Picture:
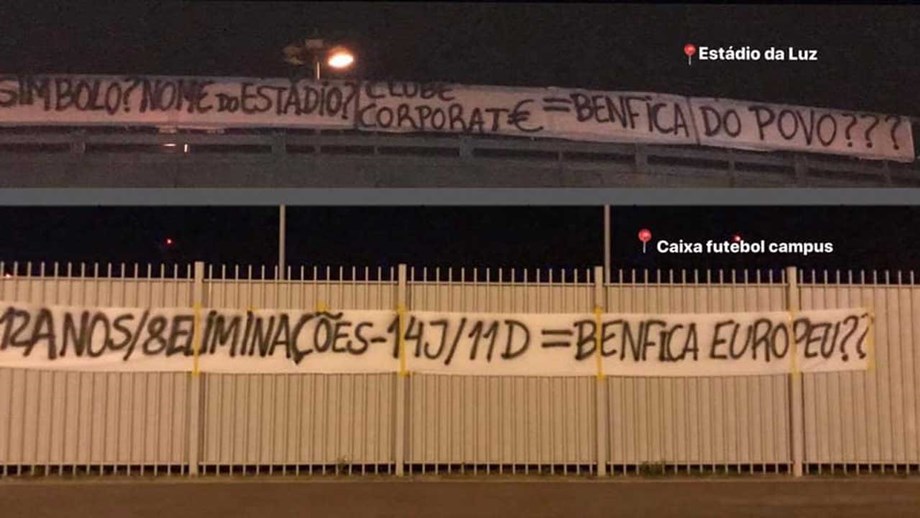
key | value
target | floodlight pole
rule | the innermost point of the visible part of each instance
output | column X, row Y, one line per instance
column 607, row 239
column 282, row 223
column 282, row 209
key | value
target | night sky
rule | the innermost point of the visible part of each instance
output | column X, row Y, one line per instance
column 867, row 54
column 532, row 237
column 868, row 61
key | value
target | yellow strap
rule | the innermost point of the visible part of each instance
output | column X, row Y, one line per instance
column 400, row 317
column 196, row 339
column 597, row 342
column 795, row 347
column 870, row 334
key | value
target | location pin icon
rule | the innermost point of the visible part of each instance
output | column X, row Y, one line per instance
column 689, row 50
column 645, row 235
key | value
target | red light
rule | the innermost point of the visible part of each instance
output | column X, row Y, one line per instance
column 169, row 241
column 736, row 238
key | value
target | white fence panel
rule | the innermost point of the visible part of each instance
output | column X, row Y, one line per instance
column 71, row 421
column 698, row 423
column 868, row 418
column 54, row 421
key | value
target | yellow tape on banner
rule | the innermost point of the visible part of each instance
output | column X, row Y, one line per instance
column 870, row 334
column 196, row 339
column 321, row 307
column 401, row 343
column 597, row 342
column 795, row 347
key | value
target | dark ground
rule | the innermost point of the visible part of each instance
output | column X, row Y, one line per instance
column 635, row 498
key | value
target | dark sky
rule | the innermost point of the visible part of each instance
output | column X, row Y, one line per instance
column 867, row 54
column 868, row 60
column 533, row 237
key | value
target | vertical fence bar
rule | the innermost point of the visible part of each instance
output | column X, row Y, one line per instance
column 194, row 416
column 600, row 305
column 796, row 403
column 401, row 378
column 607, row 243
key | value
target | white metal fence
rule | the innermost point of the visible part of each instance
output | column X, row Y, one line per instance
column 384, row 423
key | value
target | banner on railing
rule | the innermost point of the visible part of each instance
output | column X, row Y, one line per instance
column 574, row 114
column 373, row 341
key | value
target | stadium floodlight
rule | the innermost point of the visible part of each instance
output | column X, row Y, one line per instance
column 340, row 57
column 312, row 51
column 316, row 52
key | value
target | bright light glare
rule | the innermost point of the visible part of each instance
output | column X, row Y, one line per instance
column 340, row 57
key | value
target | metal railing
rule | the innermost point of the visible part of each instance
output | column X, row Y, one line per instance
column 623, row 163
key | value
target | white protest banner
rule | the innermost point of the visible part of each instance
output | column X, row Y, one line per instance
column 367, row 341
column 282, row 341
column 693, row 344
column 537, row 112
column 399, row 106
column 96, row 339
column 495, row 343
column 834, row 340
column 232, row 341
column 698, row 344
column 412, row 107
column 618, row 117
column 761, row 126
column 706, row 344
column 164, row 101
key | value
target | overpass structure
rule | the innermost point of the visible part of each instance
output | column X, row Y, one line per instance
column 133, row 157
